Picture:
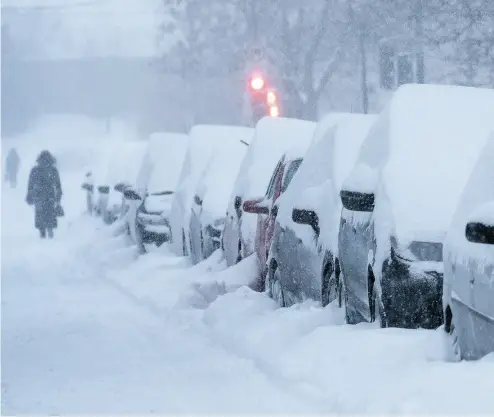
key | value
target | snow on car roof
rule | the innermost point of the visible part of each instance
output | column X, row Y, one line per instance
column 218, row 178
column 166, row 155
column 424, row 146
column 273, row 137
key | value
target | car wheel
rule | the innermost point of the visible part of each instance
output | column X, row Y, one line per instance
column 140, row 245
column 329, row 288
column 375, row 305
column 455, row 344
column 239, row 254
column 277, row 289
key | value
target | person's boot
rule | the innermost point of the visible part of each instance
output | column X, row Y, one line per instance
column 42, row 233
column 50, row 233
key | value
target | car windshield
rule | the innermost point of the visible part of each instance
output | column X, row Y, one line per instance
column 292, row 169
column 427, row 251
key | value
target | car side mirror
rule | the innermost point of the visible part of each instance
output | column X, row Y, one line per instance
column 357, row 201
column 477, row 232
column 256, row 206
column 274, row 211
column 104, row 189
column 87, row 187
column 120, row 187
column 198, row 200
column 238, row 202
column 158, row 193
column 480, row 226
column 309, row 217
column 131, row 194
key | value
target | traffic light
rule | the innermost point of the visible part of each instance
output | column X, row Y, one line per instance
column 274, row 111
column 271, row 98
column 257, row 82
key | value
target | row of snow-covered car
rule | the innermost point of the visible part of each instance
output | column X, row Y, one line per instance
column 389, row 215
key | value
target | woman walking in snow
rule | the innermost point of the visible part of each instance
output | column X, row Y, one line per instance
column 45, row 192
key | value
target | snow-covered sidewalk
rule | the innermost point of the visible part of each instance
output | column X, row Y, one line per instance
column 74, row 343
column 87, row 327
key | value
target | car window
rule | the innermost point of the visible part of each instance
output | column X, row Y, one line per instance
column 292, row 169
column 272, row 182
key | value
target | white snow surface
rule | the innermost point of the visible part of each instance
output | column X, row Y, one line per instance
column 90, row 327
column 317, row 183
column 424, row 146
column 162, row 163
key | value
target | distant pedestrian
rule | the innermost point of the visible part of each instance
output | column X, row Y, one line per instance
column 45, row 193
column 12, row 167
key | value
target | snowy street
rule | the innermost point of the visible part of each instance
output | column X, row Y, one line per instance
column 88, row 327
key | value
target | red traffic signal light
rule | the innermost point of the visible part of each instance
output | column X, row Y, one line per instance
column 257, row 82
column 274, row 111
column 271, row 98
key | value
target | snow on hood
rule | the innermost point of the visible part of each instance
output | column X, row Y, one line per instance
column 475, row 204
column 423, row 147
column 216, row 184
column 317, row 183
column 164, row 159
column 273, row 137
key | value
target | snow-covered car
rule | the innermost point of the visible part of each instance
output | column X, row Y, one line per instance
column 204, row 141
column 114, row 175
column 151, row 198
column 272, row 136
column 210, row 200
column 303, row 260
column 468, row 295
column 399, row 201
column 295, row 137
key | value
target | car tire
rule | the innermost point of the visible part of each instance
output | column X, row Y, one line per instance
column 276, row 288
column 375, row 305
column 455, row 344
column 140, row 245
column 239, row 253
column 331, row 287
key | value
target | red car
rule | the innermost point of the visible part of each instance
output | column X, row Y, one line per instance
column 267, row 209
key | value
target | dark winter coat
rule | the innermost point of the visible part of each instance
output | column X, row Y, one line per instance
column 45, row 192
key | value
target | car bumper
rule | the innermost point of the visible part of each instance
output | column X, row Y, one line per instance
column 411, row 299
column 475, row 330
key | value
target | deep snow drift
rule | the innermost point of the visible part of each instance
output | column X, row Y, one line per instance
column 88, row 327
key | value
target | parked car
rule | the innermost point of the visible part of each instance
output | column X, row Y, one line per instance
column 399, row 200
column 272, row 136
column 296, row 136
column 303, row 260
column 117, row 174
column 208, row 210
column 204, row 141
column 151, row 197
column 468, row 296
